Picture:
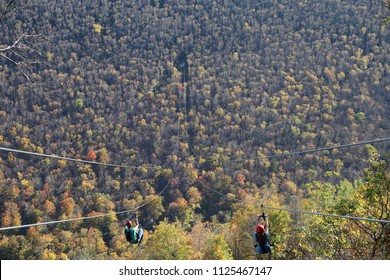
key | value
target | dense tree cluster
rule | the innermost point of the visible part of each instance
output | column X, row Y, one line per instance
column 192, row 96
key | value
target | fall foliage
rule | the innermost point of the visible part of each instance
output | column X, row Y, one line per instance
column 194, row 99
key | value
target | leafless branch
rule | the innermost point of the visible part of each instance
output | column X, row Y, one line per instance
column 18, row 45
column 7, row 8
column 14, row 45
column 18, row 64
column 18, row 54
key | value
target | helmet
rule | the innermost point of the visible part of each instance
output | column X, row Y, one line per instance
column 128, row 224
column 260, row 229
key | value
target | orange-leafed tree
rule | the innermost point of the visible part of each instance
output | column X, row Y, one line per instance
column 67, row 205
column 11, row 215
column 91, row 155
column 49, row 208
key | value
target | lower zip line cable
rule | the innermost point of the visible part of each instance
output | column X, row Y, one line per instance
column 173, row 171
column 313, row 150
column 177, row 145
column 95, row 216
column 328, row 215
column 331, row 147
column 302, row 211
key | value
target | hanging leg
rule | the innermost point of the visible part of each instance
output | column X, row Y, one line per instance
column 140, row 235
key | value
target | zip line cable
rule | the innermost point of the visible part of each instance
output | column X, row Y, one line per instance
column 303, row 211
column 174, row 169
column 114, row 213
column 328, row 215
column 300, row 153
column 88, row 161
column 137, row 167
column 330, row 148
column 177, row 145
column 315, row 150
column 74, row 159
column 175, row 166
column 101, row 215
column 95, row 216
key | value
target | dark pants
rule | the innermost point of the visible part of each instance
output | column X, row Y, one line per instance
column 263, row 248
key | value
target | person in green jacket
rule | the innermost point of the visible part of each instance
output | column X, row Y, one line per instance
column 134, row 233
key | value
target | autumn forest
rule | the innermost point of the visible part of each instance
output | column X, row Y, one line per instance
column 188, row 114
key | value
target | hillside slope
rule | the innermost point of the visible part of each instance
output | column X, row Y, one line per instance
column 192, row 95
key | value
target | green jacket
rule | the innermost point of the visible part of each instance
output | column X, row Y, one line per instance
column 131, row 235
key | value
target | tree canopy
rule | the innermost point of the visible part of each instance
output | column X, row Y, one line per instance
column 189, row 101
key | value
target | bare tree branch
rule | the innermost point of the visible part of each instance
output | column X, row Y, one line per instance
column 21, row 44
column 18, row 64
column 19, row 53
column 6, row 9
column 14, row 45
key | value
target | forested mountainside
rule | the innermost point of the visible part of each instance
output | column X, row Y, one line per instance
column 194, row 99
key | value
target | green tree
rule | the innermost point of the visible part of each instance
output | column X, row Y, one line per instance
column 79, row 103
column 13, row 247
column 87, row 244
column 218, row 249
column 169, row 242
column 333, row 238
column 372, row 199
column 153, row 209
